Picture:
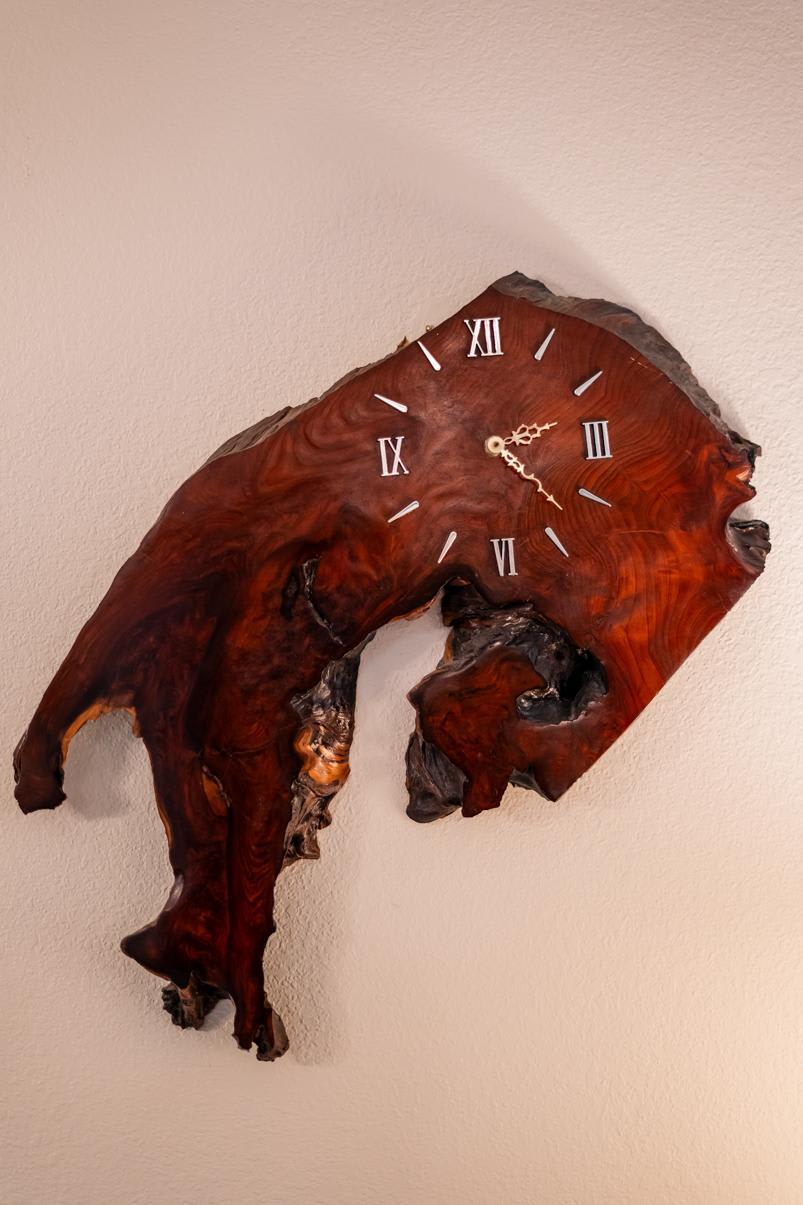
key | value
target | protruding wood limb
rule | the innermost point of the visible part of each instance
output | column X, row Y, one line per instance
column 506, row 673
column 186, row 941
column 323, row 744
column 190, row 1006
column 257, row 785
column 270, row 1037
column 751, row 538
column 435, row 785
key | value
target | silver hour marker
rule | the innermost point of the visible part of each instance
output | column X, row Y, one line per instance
column 539, row 355
column 450, row 539
column 592, row 497
column 549, row 532
column 390, row 402
column 486, row 339
column 429, row 356
column 505, row 557
column 580, row 390
column 391, row 447
column 598, row 445
column 406, row 510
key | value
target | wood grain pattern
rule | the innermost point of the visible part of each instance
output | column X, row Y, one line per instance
column 233, row 634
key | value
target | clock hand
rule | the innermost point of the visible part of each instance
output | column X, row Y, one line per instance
column 526, row 434
column 495, row 445
column 519, row 468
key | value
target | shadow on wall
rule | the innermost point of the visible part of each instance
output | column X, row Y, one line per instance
column 487, row 217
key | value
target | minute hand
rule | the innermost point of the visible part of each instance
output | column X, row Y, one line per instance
column 519, row 468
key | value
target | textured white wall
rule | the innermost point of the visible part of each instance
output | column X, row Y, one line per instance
column 211, row 209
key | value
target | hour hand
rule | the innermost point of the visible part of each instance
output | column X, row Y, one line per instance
column 526, row 434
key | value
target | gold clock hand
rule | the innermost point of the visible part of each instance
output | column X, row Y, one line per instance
column 495, row 445
column 526, row 434
column 519, row 468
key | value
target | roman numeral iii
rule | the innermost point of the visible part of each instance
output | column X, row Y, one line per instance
column 598, row 445
column 390, row 455
column 486, row 339
column 505, row 556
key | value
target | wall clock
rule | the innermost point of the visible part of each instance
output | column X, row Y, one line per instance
column 549, row 464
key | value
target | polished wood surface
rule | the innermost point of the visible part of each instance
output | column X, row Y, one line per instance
column 233, row 634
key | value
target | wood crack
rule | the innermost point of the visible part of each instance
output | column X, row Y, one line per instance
column 308, row 572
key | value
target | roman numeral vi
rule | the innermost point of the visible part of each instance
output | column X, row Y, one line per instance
column 505, row 557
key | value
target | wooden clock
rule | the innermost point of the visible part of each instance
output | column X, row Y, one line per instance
column 549, row 464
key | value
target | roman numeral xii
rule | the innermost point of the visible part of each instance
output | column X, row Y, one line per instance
column 486, row 338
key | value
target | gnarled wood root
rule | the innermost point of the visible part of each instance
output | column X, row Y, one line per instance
column 506, row 674
column 190, row 1006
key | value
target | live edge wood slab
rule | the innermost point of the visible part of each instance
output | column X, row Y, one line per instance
column 573, row 485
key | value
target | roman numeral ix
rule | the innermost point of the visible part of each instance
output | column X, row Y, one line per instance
column 486, row 339
column 390, row 455
column 505, row 557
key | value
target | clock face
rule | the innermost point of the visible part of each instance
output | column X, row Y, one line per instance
column 533, row 452
column 537, row 455
column 583, row 440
